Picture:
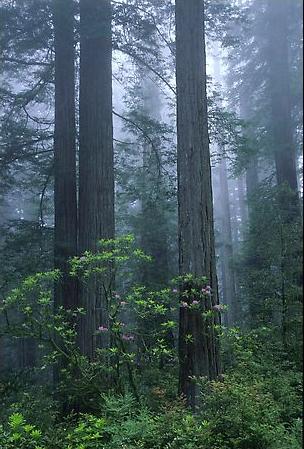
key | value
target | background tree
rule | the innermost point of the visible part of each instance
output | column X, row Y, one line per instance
column 280, row 100
column 65, row 190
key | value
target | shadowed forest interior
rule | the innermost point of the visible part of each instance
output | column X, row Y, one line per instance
column 151, row 184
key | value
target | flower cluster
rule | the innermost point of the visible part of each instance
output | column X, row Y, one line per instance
column 193, row 304
column 127, row 337
column 207, row 290
column 219, row 307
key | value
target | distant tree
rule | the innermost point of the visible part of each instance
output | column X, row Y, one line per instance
column 279, row 84
column 154, row 239
column 266, row 81
column 226, row 253
column 226, row 247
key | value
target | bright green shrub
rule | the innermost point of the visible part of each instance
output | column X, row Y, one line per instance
column 87, row 434
column 20, row 435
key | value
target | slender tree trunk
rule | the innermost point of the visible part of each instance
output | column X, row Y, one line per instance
column 228, row 275
column 252, row 179
column 279, row 85
column 199, row 355
column 242, row 203
column 251, row 176
column 65, row 196
column 65, row 188
column 234, row 214
column 96, row 165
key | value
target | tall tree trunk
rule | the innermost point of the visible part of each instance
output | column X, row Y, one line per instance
column 242, row 203
column 228, row 275
column 65, row 195
column 278, row 14
column 234, row 215
column 251, row 175
column 199, row 355
column 279, row 85
column 252, row 179
column 96, row 161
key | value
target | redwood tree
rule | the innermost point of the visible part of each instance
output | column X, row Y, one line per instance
column 96, row 172
column 279, row 84
column 65, row 194
column 199, row 355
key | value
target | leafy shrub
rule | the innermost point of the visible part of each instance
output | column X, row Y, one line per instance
column 88, row 433
column 257, row 403
column 242, row 416
column 37, row 405
column 20, row 435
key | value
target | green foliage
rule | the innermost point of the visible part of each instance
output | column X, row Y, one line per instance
column 29, row 312
column 269, row 266
column 257, row 403
column 88, row 433
column 254, row 405
column 20, row 435
column 137, row 316
column 35, row 401
column 242, row 415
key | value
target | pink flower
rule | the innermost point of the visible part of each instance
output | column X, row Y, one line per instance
column 219, row 307
column 116, row 295
column 195, row 303
column 123, row 303
column 184, row 305
column 175, row 290
column 127, row 337
column 103, row 329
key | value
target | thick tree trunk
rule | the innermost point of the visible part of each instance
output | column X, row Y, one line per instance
column 279, row 85
column 96, row 165
column 199, row 356
column 65, row 195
